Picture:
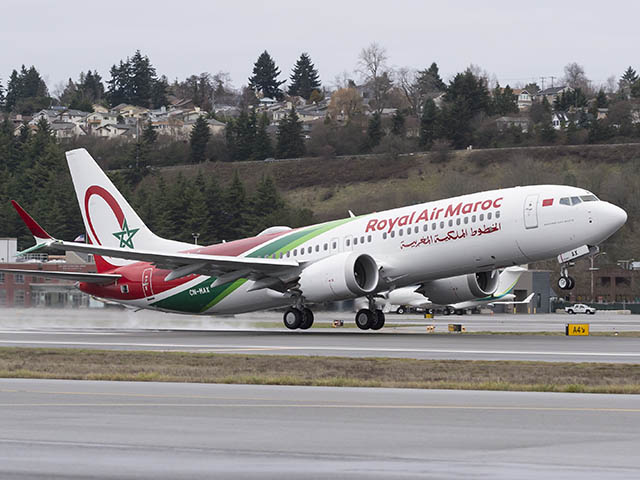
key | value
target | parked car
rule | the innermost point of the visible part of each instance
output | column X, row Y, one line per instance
column 580, row 308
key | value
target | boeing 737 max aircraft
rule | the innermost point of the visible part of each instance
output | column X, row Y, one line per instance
column 469, row 237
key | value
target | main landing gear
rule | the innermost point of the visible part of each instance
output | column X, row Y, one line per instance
column 295, row 317
column 370, row 318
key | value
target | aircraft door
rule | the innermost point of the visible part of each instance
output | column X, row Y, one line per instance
column 531, row 211
column 147, row 287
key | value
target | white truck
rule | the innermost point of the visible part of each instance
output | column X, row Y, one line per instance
column 580, row 308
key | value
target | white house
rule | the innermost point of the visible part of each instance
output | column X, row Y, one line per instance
column 96, row 120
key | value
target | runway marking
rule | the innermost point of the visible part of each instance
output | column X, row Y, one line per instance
column 327, row 406
column 321, row 348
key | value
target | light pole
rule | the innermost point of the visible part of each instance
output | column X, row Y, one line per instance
column 593, row 269
column 195, row 237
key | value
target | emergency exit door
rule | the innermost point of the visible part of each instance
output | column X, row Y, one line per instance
column 531, row 211
column 147, row 288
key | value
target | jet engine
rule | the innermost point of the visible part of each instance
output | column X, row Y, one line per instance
column 338, row 277
column 447, row 291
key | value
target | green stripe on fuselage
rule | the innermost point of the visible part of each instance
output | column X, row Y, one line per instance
column 201, row 297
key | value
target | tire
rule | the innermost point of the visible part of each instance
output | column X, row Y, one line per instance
column 378, row 320
column 446, row 311
column 400, row 310
column 563, row 283
column 364, row 319
column 572, row 283
column 292, row 318
column 307, row 319
column 591, row 312
column 571, row 312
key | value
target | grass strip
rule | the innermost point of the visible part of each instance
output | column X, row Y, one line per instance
column 318, row 371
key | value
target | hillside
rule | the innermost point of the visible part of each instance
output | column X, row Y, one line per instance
column 331, row 187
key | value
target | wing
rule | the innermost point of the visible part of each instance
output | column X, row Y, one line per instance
column 98, row 278
column 181, row 264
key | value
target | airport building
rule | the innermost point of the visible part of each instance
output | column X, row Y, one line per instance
column 32, row 290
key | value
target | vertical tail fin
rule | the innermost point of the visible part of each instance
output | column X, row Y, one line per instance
column 108, row 218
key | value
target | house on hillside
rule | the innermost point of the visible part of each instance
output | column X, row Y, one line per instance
column 559, row 120
column 524, row 99
column 116, row 131
column 96, row 120
column 130, row 111
column 65, row 130
column 552, row 93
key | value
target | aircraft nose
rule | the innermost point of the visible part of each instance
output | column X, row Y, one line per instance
column 614, row 217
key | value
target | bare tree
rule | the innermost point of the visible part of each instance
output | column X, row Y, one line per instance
column 372, row 65
column 575, row 77
column 407, row 79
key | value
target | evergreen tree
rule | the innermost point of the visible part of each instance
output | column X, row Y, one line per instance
column 198, row 140
column 265, row 77
column 2, row 98
column 304, row 78
column 397, row 123
column 428, row 123
column 26, row 92
column 235, row 213
column 149, row 134
column 429, row 80
column 601, row 100
column 268, row 205
column 374, row 132
column 290, row 140
column 135, row 81
column 241, row 135
column 213, row 198
column 504, row 101
column 262, row 147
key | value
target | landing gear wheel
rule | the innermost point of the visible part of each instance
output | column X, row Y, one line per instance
column 566, row 283
column 307, row 319
column 292, row 318
column 446, row 311
column 400, row 310
column 378, row 320
column 364, row 319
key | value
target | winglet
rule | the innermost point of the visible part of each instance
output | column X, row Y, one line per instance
column 36, row 230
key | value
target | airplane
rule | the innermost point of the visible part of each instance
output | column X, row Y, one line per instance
column 469, row 237
column 412, row 296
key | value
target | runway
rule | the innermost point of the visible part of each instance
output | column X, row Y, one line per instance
column 352, row 343
column 66, row 429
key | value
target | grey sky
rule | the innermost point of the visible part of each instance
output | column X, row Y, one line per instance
column 516, row 41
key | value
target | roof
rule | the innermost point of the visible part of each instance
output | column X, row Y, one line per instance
column 552, row 90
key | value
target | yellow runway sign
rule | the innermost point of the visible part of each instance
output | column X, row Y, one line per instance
column 577, row 329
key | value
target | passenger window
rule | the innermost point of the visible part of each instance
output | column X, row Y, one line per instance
column 335, row 245
column 565, row 201
column 457, row 221
column 575, row 200
column 280, row 255
column 441, row 224
column 288, row 254
column 295, row 252
column 393, row 234
column 416, row 229
column 317, row 248
column 362, row 239
column 409, row 231
column 400, row 232
column 348, row 242
column 384, row 235
column 473, row 219
column 489, row 216
column 355, row 241
column 369, row 238
column 451, row 223
column 433, row 226
column 498, row 214
column 482, row 217
column 425, row 227
column 326, row 247
column 466, row 220
column 309, row 249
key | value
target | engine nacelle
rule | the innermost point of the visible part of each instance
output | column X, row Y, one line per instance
column 447, row 291
column 339, row 277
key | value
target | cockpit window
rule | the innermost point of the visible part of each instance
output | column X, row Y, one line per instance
column 575, row 200
column 589, row 198
column 565, row 201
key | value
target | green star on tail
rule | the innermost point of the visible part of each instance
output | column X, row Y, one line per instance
column 126, row 235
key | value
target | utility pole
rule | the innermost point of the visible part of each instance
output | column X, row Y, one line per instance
column 552, row 79
column 542, row 79
column 593, row 269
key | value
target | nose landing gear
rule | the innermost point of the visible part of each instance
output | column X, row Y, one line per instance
column 565, row 282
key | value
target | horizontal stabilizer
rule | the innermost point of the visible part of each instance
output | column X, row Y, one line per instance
column 98, row 278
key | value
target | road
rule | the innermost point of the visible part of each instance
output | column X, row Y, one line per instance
column 57, row 429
